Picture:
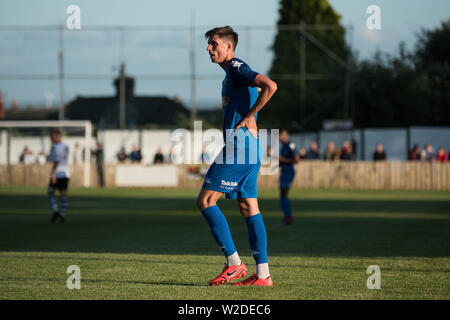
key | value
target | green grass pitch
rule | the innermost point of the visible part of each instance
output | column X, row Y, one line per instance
column 154, row 244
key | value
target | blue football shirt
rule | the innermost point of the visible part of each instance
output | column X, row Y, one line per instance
column 288, row 150
column 238, row 97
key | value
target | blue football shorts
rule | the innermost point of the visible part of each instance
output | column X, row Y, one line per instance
column 236, row 180
column 286, row 178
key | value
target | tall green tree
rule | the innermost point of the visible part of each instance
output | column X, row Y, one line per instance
column 385, row 91
column 324, row 98
column 409, row 88
column 432, row 61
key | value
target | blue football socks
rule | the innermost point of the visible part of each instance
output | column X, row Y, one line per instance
column 286, row 206
column 257, row 236
column 220, row 229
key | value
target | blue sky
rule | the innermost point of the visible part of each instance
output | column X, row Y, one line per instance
column 156, row 52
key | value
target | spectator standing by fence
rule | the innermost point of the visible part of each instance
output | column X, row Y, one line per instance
column 159, row 157
column 330, row 152
column 26, row 157
column 302, row 153
column 346, row 151
column 135, row 155
column 122, row 155
column 313, row 152
column 441, row 155
column 29, row 158
column 379, row 154
column 414, row 153
column 427, row 154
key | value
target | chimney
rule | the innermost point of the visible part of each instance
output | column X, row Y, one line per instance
column 129, row 84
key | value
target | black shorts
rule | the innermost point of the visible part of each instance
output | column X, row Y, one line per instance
column 61, row 184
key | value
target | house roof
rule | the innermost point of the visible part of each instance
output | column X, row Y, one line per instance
column 32, row 114
column 140, row 111
column 158, row 111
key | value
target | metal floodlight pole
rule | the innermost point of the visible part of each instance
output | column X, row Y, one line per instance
column 122, row 86
column 349, row 92
column 122, row 102
column 193, row 74
column 348, row 80
column 302, row 74
column 61, row 72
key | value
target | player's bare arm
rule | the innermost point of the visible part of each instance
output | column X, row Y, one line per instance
column 53, row 172
column 268, row 88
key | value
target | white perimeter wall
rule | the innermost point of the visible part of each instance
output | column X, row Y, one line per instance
column 394, row 141
column 150, row 140
column 36, row 145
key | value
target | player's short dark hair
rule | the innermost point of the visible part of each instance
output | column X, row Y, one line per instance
column 224, row 32
column 56, row 132
column 283, row 130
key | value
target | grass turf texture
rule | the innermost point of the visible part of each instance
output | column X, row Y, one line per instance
column 154, row 244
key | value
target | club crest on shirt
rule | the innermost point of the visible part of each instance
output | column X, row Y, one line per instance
column 237, row 64
column 292, row 146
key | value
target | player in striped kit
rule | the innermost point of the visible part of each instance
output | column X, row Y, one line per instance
column 59, row 177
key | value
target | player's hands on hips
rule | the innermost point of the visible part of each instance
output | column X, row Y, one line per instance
column 250, row 124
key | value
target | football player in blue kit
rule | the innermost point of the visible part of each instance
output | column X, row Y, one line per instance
column 234, row 172
column 288, row 157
